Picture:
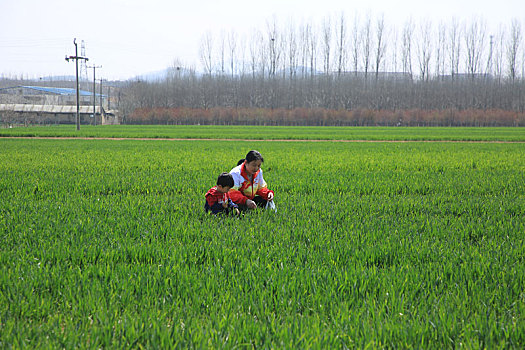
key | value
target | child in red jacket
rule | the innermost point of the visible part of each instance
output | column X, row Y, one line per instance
column 217, row 198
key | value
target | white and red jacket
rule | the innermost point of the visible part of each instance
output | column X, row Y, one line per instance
column 244, row 188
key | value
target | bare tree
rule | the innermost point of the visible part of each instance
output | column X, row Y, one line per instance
column 440, row 50
column 424, row 49
column 513, row 47
column 243, row 59
column 312, row 51
column 497, row 53
column 206, row 53
column 273, row 43
column 258, row 61
column 341, row 45
column 366, row 35
column 255, row 51
column 327, row 41
column 282, row 49
column 474, row 44
column 222, row 53
column 8, row 118
column 303, row 48
column 406, row 53
column 292, row 51
column 232, row 46
column 264, row 56
column 175, row 91
column 394, row 52
column 490, row 66
column 355, row 44
column 380, row 44
column 454, row 47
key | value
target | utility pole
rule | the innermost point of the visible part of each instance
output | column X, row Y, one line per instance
column 101, row 101
column 109, row 98
column 76, row 58
column 94, row 94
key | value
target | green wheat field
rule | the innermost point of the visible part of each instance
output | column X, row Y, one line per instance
column 105, row 244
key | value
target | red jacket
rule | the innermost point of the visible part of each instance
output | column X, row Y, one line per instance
column 215, row 199
column 244, row 188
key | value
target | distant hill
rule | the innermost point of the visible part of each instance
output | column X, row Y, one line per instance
column 164, row 73
column 152, row 76
column 58, row 78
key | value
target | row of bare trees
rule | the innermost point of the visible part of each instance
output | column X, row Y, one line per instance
column 349, row 64
column 324, row 92
column 421, row 49
column 346, row 92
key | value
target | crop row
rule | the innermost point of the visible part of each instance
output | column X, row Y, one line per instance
column 274, row 132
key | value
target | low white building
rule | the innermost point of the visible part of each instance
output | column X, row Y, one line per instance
column 50, row 105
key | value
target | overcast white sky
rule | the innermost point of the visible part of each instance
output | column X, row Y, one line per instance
column 132, row 37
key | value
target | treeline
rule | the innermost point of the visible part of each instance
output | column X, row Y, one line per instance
column 344, row 71
column 326, row 100
column 330, row 92
column 324, row 117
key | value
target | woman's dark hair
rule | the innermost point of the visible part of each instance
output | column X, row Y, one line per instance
column 225, row 180
column 254, row 155
column 250, row 157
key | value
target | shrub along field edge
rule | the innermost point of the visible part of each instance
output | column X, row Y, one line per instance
column 326, row 117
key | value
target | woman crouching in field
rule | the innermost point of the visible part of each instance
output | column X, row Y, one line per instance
column 249, row 189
